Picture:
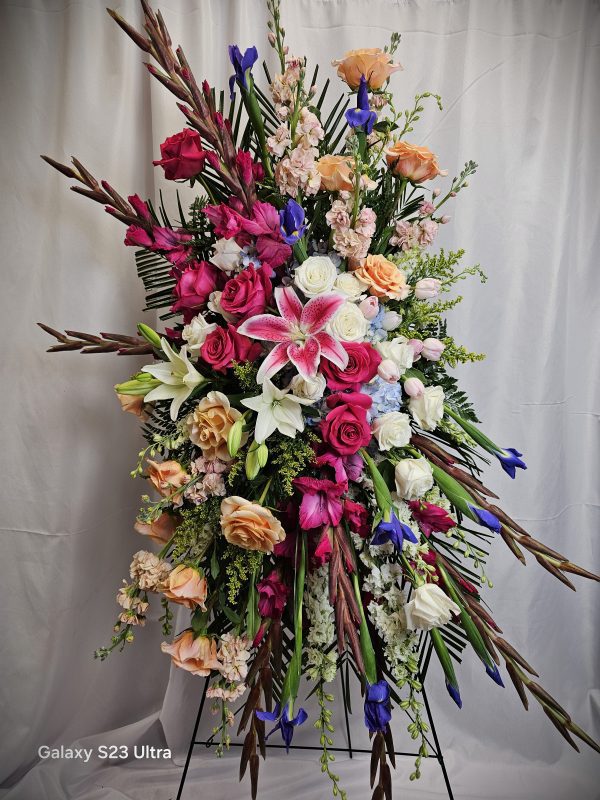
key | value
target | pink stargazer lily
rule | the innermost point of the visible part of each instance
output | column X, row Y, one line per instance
column 298, row 332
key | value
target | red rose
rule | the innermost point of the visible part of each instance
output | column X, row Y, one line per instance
column 182, row 155
column 225, row 345
column 248, row 293
column 194, row 286
column 357, row 517
column 345, row 428
column 363, row 361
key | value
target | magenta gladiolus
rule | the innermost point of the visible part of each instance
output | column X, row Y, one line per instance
column 321, row 502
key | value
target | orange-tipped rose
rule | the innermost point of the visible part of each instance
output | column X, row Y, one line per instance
column 375, row 64
column 161, row 529
column 336, row 173
column 166, row 477
column 384, row 278
column 198, row 656
column 249, row 525
column 415, row 164
column 209, row 425
column 186, row 586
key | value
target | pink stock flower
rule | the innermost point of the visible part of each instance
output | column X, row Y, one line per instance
column 266, row 226
column 430, row 518
column 298, row 332
column 321, row 502
column 272, row 595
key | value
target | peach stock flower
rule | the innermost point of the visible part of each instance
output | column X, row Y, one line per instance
column 198, row 656
column 372, row 62
column 209, row 424
column 336, row 173
column 413, row 163
column 160, row 530
column 249, row 525
column 383, row 277
column 186, row 586
column 167, row 477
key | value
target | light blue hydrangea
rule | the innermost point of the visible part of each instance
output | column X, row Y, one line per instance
column 386, row 396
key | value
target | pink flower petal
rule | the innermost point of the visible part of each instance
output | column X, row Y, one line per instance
column 289, row 304
column 276, row 359
column 305, row 357
column 319, row 310
column 332, row 350
column 266, row 327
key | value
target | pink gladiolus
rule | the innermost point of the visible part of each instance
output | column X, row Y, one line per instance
column 345, row 468
column 272, row 595
column 321, row 502
column 265, row 225
column 322, row 552
column 431, row 518
column 226, row 221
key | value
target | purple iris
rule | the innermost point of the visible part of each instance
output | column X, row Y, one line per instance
column 510, row 460
column 486, row 518
column 494, row 674
column 378, row 710
column 454, row 693
column 241, row 64
column 284, row 723
column 393, row 531
column 362, row 116
column 291, row 219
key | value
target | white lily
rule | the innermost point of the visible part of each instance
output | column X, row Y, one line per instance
column 178, row 378
column 277, row 409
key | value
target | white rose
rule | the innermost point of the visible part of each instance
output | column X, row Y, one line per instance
column 349, row 324
column 308, row 388
column 429, row 608
column 195, row 332
column 414, row 477
column 214, row 305
column 392, row 430
column 315, row 275
column 226, row 254
column 347, row 283
column 399, row 351
column 428, row 408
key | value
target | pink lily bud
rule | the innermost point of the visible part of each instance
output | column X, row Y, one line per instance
column 417, row 346
column 388, row 371
column 414, row 387
column 432, row 349
column 427, row 288
column 445, row 219
column 390, row 321
column 369, row 307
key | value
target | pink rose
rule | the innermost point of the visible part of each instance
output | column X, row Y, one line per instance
column 182, row 155
column 272, row 596
column 363, row 361
column 345, row 428
column 432, row 349
column 195, row 285
column 248, row 293
column 224, row 345
column 369, row 307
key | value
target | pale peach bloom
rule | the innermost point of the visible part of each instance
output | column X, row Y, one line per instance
column 350, row 244
column 167, row 478
column 209, row 424
column 308, row 131
column 280, row 141
column 384, row 278
column 415, row 164
column 298, row 172
column 186, row 586
column 159, row 530
column 249, row 525
column 336, row 173
column 338, row 216
column 366, row 222
column 148, row 570
column 196, row 655
column 372, row 62
column 134, row 404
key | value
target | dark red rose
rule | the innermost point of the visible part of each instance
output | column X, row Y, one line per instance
column 224, row 345
column 182, row 155
column 272, row 596
column 195, row 285
column 357, row 518
column 345, row 428
column 248, row 293
column 363, row 361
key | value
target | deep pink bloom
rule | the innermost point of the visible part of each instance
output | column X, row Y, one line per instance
column 321, row 502
column 136, row 236
column 430, row 518
column 298, row 332
column 195, row 285
column 182, row 155
column 266, row 227
column 357, row 518
column 174, row 244
column 345, row 468
column 430, row 558
column 140, row 208
column 248, row 169
column 272, row 595
column 346, row 428
column 248, row 293
column 322, row 552
column 363, row 361
column 224, row 345
column 226, row 221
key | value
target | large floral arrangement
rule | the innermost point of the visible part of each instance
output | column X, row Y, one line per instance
column 313, row 465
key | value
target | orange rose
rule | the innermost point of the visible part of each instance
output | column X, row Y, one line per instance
column 209, row 425
column 186, row 586
column 198, row 656
column 415, row 164
column 384, row 278
column 249, row 525
column 166, row 477
column 336, row 173
column 372, row 62
column 160, row 530
column 133, row 403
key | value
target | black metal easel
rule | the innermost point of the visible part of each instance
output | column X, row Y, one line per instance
column 435, row 751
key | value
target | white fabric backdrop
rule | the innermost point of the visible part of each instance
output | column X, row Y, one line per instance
column 520, row 89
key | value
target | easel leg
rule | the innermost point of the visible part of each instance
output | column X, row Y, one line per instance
column 192, row 742
column 439, row 754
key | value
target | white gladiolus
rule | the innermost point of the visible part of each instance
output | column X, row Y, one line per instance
column 392, row 430
column 427, row 408
column 414, row 477
column 429, row 608
column 315, row 276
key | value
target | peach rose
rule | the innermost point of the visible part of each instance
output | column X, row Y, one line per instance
column 249, row 525
column 415, row 164
column 196, row 655
column 384, row 278
column 134, row 404
column 372, row 62
column 186, row 586
column 336, row 173
column 167, row 477
column 209, row 425
column 161, row 529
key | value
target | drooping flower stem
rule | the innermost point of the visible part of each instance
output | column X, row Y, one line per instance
column 291, row 683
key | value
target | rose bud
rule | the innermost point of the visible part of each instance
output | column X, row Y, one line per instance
column 432, row 349
column 417, row 346
column 391, row 320
column 388, row 371
column 414, row 387
column 427, row 288
column 369, row 307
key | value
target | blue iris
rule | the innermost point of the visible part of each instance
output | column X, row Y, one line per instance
column 454, row 693
column 486, row 518
column 284, row 723
column 494, row 674
column 291, row 219
column 241, row 64
column 362, row 116
column 510, row 460
column 393, row 531
column 378, row 711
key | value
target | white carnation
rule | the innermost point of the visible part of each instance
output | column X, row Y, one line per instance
column 414, row 477
column 392, row 430
column 428, row 409
column 348, row 324
column 315, row 276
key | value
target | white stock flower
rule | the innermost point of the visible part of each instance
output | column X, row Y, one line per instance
column 427, row 409
column 277, row 410
column 309, row 388
column 429, row 608
column 349, row 324
column 195, row 332
column 414, row 477
column 397, row 350
column 392, row 430
column 177, row 376
column 226, row 255
column 348, row 284
column 316, row 275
